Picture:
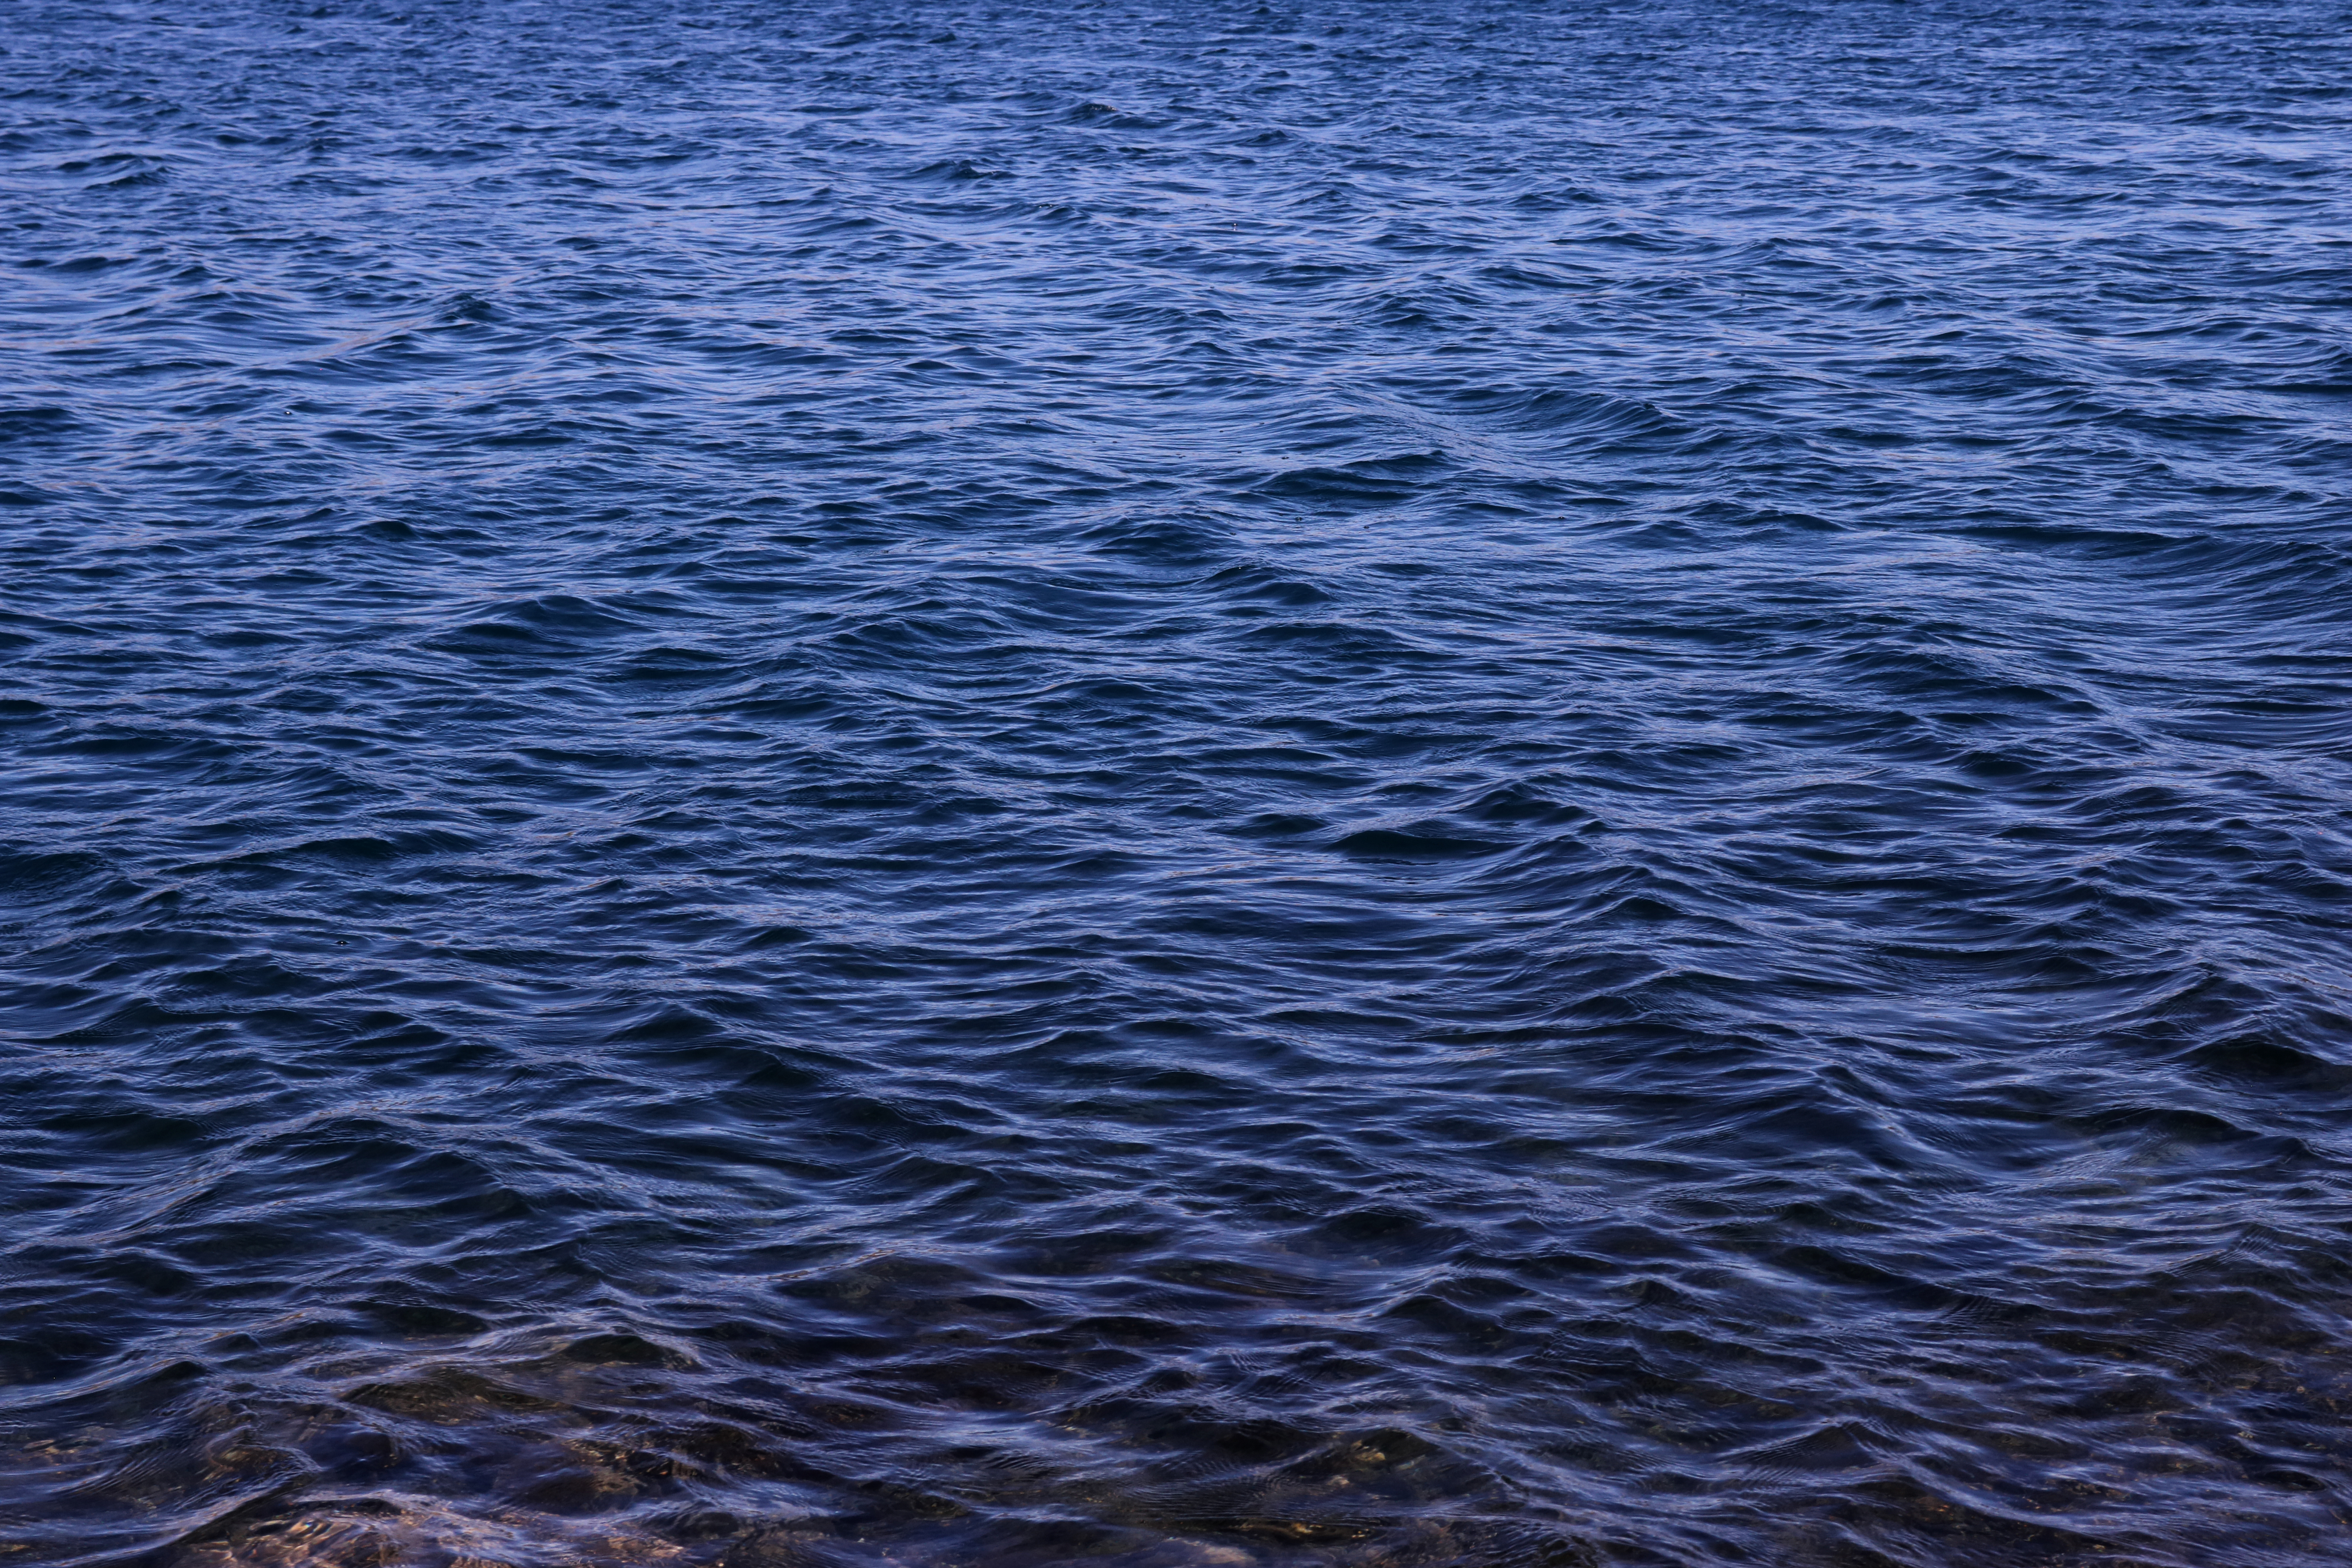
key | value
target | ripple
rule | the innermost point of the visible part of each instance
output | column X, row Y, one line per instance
column 1179, row 788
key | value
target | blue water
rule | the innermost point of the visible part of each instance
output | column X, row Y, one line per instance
column 1176, row 786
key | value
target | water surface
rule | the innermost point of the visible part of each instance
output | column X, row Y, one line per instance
column 1175, row 786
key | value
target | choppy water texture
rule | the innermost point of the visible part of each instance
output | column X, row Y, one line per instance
column 1176, row 787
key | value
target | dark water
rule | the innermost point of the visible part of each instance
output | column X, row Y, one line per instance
column 1176, row 787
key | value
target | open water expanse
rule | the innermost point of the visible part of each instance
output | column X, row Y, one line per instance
column 1376, row 785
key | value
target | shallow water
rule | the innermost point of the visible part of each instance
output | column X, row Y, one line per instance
column 1176, row 786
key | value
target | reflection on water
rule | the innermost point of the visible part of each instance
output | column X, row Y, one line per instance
column 1175, row 785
